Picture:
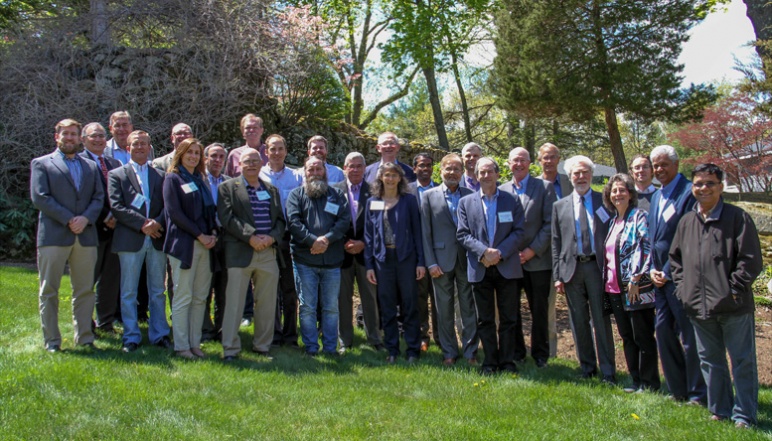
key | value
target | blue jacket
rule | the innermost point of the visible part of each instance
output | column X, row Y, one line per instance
column 661, row 232
column 185, row 219
column 407, row 232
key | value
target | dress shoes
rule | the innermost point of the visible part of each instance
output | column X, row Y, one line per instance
column 488, row 370
column 186, row 354
column 424, row 346
column 164, row 342
column 197, row 352
column 449, row 362
column 391, row 359
column 130, row 347
column 510, row 368
column 541, row 362
column 472, row 361
column 588, row 375
column 609, row 379
column 53, row 348
column 230, row 358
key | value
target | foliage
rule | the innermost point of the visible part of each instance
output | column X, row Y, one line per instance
column 18, row 219
column 736, row 137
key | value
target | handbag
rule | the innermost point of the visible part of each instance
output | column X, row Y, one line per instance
column 646, row 295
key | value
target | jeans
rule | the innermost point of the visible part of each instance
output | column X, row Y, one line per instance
column 316, row 285
column 131, row 265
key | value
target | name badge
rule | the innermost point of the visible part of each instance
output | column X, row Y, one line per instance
column 190, row 187
column 601, row 213
column 505, row 217
column 331, row 208
column 263, row 195
column 377, row 206
column 139, row 199
column 668, row 213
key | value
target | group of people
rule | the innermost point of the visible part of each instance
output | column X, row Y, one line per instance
column 673, row 265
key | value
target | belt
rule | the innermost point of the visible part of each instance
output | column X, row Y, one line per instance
column 391, row 247
column 585, row 259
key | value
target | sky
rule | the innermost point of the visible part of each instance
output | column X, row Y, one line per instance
column 709, row 54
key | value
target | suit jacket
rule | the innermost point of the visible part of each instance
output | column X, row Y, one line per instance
column 103, row 232
column 186, row 219
column 537, row 204
column 359, row 221
column 661, row 232
column 371, row 172
column 164, row 161
column 564, row 244
column 53, row 192
column 123, row 186
column 412, row 187
column 441, row 247
column 565, row 184
column 407, row 232
column 235, row 213
column 472, row 233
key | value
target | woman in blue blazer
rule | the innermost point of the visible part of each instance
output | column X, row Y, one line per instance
column 393, row 255
column 190, row 237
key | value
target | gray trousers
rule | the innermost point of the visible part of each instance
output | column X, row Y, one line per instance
column 367, row 295
column 450, row 288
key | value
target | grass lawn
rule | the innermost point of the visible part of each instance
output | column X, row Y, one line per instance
column 150, row 394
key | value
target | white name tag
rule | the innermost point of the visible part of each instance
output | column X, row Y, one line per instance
column 601, row 213
column 505, row 217
column 377, row 206
column 190, row 187
column 263, row 195
column 139, row 199
column 331, row 208
column 668, row 213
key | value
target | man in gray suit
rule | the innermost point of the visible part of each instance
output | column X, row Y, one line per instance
column 490, row 228
column 66, row 189
column 537, row 197
column 446, row 261
column 136, row 201
column 180, row 132
column 579, row 226
column 107, row 272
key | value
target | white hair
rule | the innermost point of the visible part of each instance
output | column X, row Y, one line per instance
column 516, row 150
column 470, row 146
column 354, row 155
column 664, row 150
column 576, row 160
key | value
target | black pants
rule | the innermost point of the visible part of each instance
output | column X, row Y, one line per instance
column 496, row 290
column 536, row 285
column 636, row 328
column 397, row 287
column 286, row 331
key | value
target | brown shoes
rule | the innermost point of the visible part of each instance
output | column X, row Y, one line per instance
column 197, row 352
column 186, row 354
column 424, row 346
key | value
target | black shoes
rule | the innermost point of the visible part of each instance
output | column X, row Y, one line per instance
column 53, row 348
column 164, row 342
column 130, row 347
column 541, row 362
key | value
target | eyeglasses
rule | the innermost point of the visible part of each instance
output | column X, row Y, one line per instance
column 96, row 136
column 252, row 162
column 709, row 184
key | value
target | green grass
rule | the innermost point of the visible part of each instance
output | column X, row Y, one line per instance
column 152, row 395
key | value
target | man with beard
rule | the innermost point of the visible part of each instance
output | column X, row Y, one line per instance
column 250, row 212
column 641, row 170
column 317, row 146
column 107, row 272
column 67, row 191
column 470, row 154
column 318, row 216
column 180, row 132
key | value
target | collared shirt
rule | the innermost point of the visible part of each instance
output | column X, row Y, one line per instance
column 334, row 174
column 261, row 209
column 713, row 215
column 214, row 184
column 523, row 185
column 490, row 205
column 75, row 167
column 556, row 185
column 353, row 201
column 665, row 193
column 471, row 182
column 118, row 153
column 649, row 190
column 233, row 161
column 284, row 180
column 577, row 199
column 141, row 172
column 452, row 198
column 421, row 189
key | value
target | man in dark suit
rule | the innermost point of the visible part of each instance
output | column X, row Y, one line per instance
column 357, row 192
column 537, row 197
column 107, row 272
column 251, row 215
column 66, row 189
column 136, row 201
column 579, row 227
column 446, row 262
column 490, row 228
column 675, row 334
column 388, row 146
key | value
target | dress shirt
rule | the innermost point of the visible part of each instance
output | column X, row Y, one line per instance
column 649, row 190
column 214, row 183
column 471, row 182
column 452, row 198
column 118, row 153
column 590, row 219
column 421, row 189
column 76, row 170
column 523, row 185
column 665, row 193
column 141, row 171
column 489, row 209
column 353, row 201
column 556, row 185
column 334, row 174
column 284, row 180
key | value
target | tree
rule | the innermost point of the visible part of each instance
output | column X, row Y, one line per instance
column 576, row 58
column 736, row 137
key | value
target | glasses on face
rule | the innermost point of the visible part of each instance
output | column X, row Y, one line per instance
column 96, row 136
column 251, row 162
column 709, row 184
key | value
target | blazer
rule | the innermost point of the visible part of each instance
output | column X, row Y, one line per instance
column 412, row 187
column 238, row 222
column 565, row 184
column 472, row 233
column 359, row 221
column 123, row 186
column 103, row 232
column 564, row 244
column 371, row 172
column 661, row 232
column 537, row 204
column 441, row 247
column 53, row 192
column 185, row 219
column 407, row 232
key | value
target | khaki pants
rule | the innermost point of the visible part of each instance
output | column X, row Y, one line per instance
column 191, row 289
column 51, row 263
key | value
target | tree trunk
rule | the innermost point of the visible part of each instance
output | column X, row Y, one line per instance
column 462, row 97
column 100, row 33
column 615, row 139
column 434, row 99
column 760, row 14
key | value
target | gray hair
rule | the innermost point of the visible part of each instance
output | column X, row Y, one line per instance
column 354, row 155
column 576, row 160
column 91, row 125
column 214, row 144
column 664, row 150
column 486, row 158
column 516, row 150
column 470, row 146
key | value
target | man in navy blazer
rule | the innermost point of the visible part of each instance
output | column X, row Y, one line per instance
column 537, row 197
column 576, row 271
column 490, row 228
column 66, row 189
column 388, row 146
column 680, row 361
column 107, row 272
column 136, row 200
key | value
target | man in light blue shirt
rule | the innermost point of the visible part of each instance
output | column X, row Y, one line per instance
column 317, row 146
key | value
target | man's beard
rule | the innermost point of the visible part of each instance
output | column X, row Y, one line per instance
column 451, row 182
column 316, row 186
column 67, row 148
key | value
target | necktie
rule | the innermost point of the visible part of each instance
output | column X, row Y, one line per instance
column 103, row 166
column 584, row 228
